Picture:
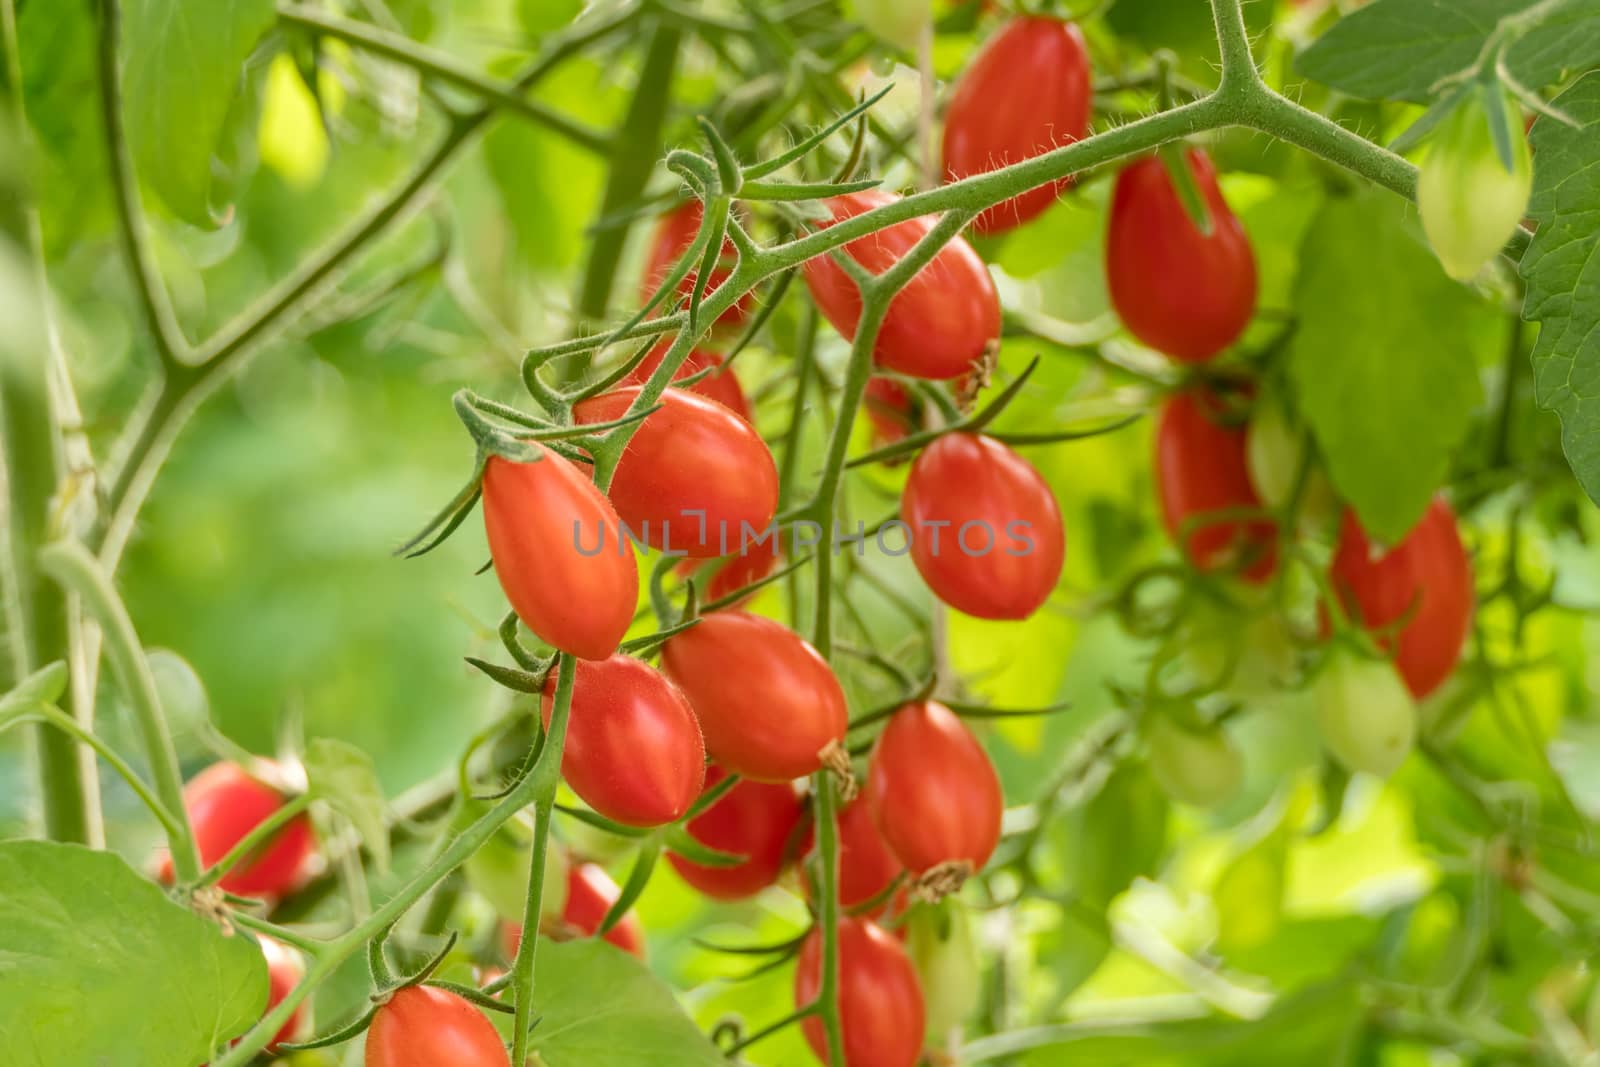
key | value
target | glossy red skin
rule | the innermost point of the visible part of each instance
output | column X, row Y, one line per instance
column 967, row 478
column 880, row 998
column 581, row 604
column 590, row 894
column 1427, row 578
column 633, row 750
column 933, row 792
column 691, row 455
column 224, row 804
column 866, row 866
column 1027, row 92
column 739, row 571
column 1200, row 467
column 940, row 324
column 674, row 234
column 890, row 410
column 1178, row 290
column 767, row 702
column 758, row 820
column 422, row 1026
column 720, row 385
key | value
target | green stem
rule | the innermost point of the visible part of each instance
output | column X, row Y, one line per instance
column 75, row 570
column 822, row 787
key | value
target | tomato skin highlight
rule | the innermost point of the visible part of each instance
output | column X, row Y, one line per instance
column 1426, row 578
column 756, row 820
column 880, row 999
column 589, row 896
column 1176, row 289
column 692, row 455
column 633, row 749
column 422, row 1026
column 940, row 324
column 224, row 804
column 934, row 794
column 1027, row 92
column 720, row 385
column 1201, row 467
column 674, row 234
column 768, row 704
column 541, row 518
column 989, row 495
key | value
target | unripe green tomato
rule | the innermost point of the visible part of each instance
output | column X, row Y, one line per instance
column 1250, row 647
column 1274, row 450
column 1368, row 719
column 942, row 947
column 1470, row 203
column 501, row 868
column 899, row 22
column 1193, row 767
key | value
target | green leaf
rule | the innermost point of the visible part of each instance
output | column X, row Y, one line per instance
column 1575, row 755
column 1400, row 49
column 599, row 1007
column 1116, row 836
column 1562, row 269
column 43, row 686
column 1182, row 26
column 343, row 775
column 85, row 942
column 183, row 63
column 1249, row 895
column 1382, row 363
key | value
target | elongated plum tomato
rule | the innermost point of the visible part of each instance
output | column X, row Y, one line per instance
column 285, row 970
column 934, row 793
column 753, row 563
column 1180, row 291
column 1368, row 720
column 1426, row 579
column 757, row 820
column 880, row 1000
column 1199, row 767
column 1026, row 93
column 940, row 324
column 694, row 476
column 1469, row 201
column 421, row 1026
column 633, row 749
column 866, row 866
column 590, row 895
column 720, row 385
column 224, row 804
column 674, row 234
column 984, row 528
column 559, row 552
column 1201, row 470
column 891, row 411
column 768, row 704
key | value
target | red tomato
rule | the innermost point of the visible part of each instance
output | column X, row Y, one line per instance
column 985, row 530
column 673, row 236
column 558, row 550
column 767, row 703
column 757, row 820
column 1426, row 579
column 934, row 793
column 421, row 1026
column 866, row 866
column 940, row 324
column 720, row 385
column 694, row 476
column 751, row 565
column 633, row 751
column 880, row 999
column 891, row 410
column 1201, row 468
column 590, row 895
column 1178, row 290
column 285, row 970
column 224, row 804
column 1026, row 93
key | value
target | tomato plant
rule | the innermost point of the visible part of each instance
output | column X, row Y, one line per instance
column 588, row 898
column 1470, row 197
column 1181, row 290
column 756, row 820
column 984, row 527
column 578, row 594
column 1028, row 91
column 285, row 970
column 880, row 1001
column 720, row 384
column 945, row 319
column 675, row 233
column 934, row 794
column 420, row 1026
column 225, row 803
column 633, row 749
column 866, row 866
column 768, row 705
column 695, row 477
